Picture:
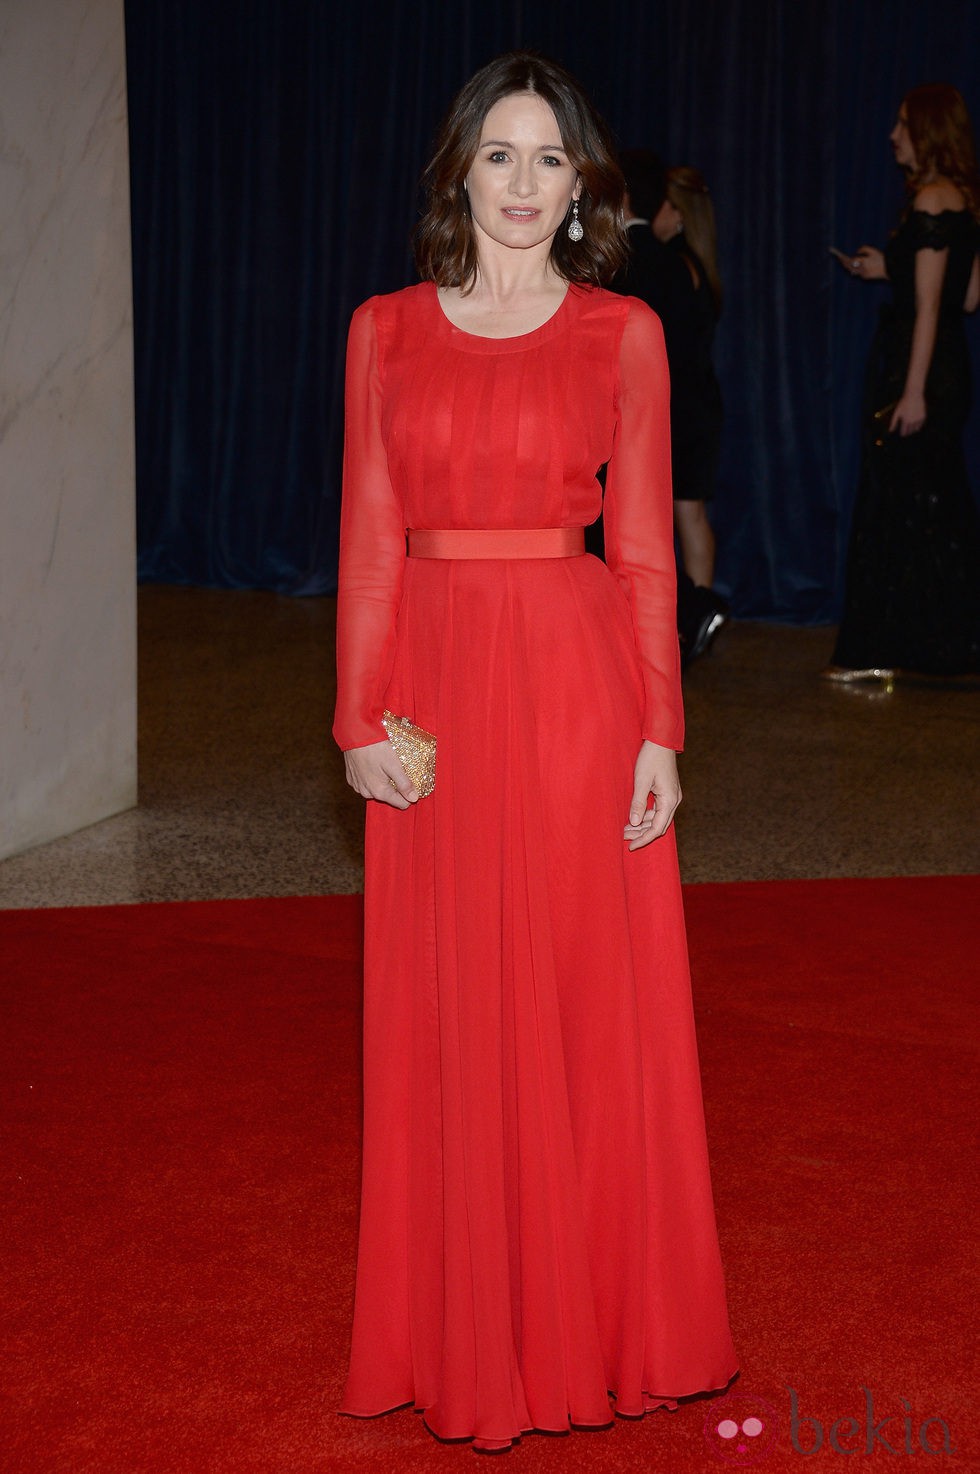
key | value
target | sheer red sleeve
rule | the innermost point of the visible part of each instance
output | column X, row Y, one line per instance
column 372, row 547
column 638, row 520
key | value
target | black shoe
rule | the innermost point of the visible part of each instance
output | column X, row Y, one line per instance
column 701, row 614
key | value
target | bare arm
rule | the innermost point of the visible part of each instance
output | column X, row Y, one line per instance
column 910, row 411
column 935, row 198
column 972, row 299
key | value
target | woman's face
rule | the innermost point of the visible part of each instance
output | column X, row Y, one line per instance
column 667, row 222
column 520, row 183
column 901, row 142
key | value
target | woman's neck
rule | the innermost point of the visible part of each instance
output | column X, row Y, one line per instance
column 506, row 277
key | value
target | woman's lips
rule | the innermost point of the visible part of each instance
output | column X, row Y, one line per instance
column 515, row 213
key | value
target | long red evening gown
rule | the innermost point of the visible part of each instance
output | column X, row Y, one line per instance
column 537, row 1229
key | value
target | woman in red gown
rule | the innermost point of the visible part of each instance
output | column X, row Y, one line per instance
column 537, row 1232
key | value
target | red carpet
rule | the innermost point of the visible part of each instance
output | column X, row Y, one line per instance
column 180, row 1092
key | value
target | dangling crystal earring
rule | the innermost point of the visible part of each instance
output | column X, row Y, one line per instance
column 575, row 231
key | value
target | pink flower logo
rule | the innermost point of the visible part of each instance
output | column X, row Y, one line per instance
column 740, row 1429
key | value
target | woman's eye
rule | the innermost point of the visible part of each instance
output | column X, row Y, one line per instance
column 552, row 161
column 498, row 156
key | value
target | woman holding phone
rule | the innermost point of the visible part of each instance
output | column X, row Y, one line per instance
column 912, row 593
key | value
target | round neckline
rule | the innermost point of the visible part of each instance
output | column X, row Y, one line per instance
column 477, row 343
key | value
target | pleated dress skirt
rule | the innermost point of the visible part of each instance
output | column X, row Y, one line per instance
column 537, row 1237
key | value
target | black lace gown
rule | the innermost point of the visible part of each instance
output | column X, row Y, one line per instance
column 912, row 595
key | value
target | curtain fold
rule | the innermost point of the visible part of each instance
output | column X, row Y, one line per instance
column 275, row 152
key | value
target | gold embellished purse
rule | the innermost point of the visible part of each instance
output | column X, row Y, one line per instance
column 416, row 749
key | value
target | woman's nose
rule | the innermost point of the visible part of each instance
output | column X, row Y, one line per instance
column 523, row 181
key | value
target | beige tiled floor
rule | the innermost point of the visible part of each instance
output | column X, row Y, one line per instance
column 242, row 793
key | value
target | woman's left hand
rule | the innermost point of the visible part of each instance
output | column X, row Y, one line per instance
column 869, row 264
column 909, row 415
column 656, row 773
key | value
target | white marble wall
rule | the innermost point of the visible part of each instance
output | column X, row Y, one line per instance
column 67, row 505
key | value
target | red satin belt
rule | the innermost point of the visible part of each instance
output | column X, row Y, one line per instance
column 496, row 542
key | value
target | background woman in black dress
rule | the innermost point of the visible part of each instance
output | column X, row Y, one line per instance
column 912, row 595
column 685, row 224
column 673, row 268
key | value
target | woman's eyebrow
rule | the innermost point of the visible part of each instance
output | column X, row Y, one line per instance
column 551, row 148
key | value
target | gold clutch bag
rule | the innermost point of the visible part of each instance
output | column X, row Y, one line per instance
column 416, row 749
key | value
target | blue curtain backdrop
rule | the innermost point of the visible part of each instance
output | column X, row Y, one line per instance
column 275, row 152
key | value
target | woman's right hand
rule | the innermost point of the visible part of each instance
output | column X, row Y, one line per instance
column 910, row 414
column 869, row 264
column 375, row 772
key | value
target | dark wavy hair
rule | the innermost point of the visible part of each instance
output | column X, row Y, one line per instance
column 942, row 137
column 445, row 241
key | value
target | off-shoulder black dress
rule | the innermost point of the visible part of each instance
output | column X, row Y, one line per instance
column 912, row 595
